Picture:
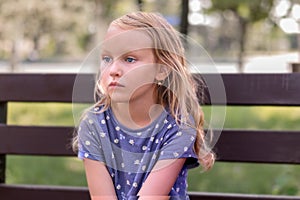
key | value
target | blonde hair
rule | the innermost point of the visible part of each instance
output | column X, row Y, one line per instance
column 179, row 90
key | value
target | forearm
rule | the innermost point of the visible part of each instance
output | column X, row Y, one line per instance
column 161, row 180
column 104, row 197
column 154, row 197
column 99, row 181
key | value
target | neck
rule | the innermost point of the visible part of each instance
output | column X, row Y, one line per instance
column 136, row 114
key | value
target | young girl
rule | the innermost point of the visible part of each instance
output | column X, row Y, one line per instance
column 146, row 128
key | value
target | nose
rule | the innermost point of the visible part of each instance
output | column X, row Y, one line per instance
column 115, row 69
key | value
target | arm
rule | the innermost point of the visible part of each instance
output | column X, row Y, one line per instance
column 99, row 181
column 161, row 179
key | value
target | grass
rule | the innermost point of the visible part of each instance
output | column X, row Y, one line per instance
column 45, row 170
column 224, row 177
column 257, row 117
column 247, row 178
column 56, row 114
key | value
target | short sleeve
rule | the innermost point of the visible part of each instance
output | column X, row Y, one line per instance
column 180, row 144
column 89, row 143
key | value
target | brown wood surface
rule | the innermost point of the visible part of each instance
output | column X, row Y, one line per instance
column 256, row 89
column 261, row 146
column 45, row 192
column 233, row 145
column 34, row 140
column 241, row 89
column 45, row 87
column 34, row 192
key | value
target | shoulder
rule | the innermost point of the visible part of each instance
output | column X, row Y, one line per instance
column 180, row 133
column 94, row 112
column 180, row 125
column 92, row 117
column 93, row 125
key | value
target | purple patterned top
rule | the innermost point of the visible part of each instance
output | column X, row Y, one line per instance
column 131, row 154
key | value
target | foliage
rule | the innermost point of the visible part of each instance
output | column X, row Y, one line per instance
column 249, row 10
column 28, row 26
column 247, row 13
column 36, row 29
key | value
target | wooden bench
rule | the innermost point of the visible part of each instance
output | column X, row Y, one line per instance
column 257, row 146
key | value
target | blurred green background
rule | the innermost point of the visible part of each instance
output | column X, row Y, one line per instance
column 224, row 177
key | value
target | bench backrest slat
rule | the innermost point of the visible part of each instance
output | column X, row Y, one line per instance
column 44, row 87
column 30, row 140
column 31, row 192
column 233, row 145
column 9, row 192
column 241, row 89
column 259, row 146
column 257, row 89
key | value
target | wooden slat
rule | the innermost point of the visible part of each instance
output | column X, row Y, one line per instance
column 36, row 140
column 259, row 146
column 241, row 89
column 3, row 113
column 45, row 87
column 3, row 120
column 233, row 145
column 2, row 168
column 228, row 196
column 254, row 89
column 34, row 192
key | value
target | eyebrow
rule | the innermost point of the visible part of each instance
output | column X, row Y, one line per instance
column 124, row 52
column 104, row 52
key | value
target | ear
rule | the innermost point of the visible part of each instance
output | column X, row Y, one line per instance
column 162, row 72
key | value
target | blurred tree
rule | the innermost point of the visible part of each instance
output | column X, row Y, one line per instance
column 103, row 14
column 35, row 29
column 34, row 20
column 293, row 15
column 247, row 12
column 10, row 23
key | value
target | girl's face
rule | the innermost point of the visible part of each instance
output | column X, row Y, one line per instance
column 128, row 69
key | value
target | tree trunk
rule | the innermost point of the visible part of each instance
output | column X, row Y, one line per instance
column 14, row 56
column 298, row 41
column 140, row 5
column 98, row 16
column 34, row 55
column 100, row 20
column 242, row 40
column 184, row 24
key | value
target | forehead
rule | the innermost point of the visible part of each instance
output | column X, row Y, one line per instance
column 121, row 41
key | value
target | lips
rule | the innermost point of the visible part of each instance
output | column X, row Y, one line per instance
column 115, row 84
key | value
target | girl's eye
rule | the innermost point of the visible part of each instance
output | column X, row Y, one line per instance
column 130, row 59
column 106, row 59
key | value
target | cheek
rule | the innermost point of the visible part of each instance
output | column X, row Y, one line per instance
column 103, row 82
column 104, row 75
column 145, row 73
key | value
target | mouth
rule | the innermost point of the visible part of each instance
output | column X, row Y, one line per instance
column 115, row 84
